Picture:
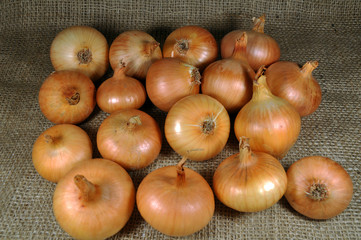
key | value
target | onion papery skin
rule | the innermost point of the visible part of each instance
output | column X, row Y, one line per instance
column 272, row 124
column 67, row 97
column 249, row 181
column 120, row 92
column 311, row 170
column 193, row 45
column 58, row 148
column 109, row 209
column 174, row 207
column 230, row 80
column 131, row 137
column 137, row 50
column 197, row 122
column 297, row 85
column 169, row 80
column 80, row 48
column 262, row 49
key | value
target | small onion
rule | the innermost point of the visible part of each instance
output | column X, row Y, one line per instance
column 318, row 187
column 80, row 48
column 271, row 123
column 137, row 49
column 169, row 80
column 197, row 122
column 120, row 92
column 249, row 181
column 94, row 200
column 230, row 80
column 297, row 86
column 193, row 45
column 261, row 48
column 67, row 97
column 129, row 137
column 175, row 200
column 58, row 148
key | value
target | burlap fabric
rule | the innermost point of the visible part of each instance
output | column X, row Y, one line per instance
column 327, row 31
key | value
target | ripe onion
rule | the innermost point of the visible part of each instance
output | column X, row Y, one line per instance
column 249, row 181
column 175, row 200
column 230, row 80
column 197, row 122
column 169, row 80
column 120, row 92
column 58, row 148
column 261, row 48
column 129, row 137
column 318, row 187
column 67, row 97
column 271, row 123
column 297, row 86
column 94, row 200
column 193, row 45
column 137, row 49
column 80, row 48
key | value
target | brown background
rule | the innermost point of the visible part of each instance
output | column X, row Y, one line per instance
column 327, row 31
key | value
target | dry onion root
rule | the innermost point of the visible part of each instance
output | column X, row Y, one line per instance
column 197, row 122
column 318, row 187
column 80, row 48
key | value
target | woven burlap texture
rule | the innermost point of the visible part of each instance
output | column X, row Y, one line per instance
column 326, row 31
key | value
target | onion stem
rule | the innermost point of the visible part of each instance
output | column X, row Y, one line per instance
column 258, row 25
column 86, row 188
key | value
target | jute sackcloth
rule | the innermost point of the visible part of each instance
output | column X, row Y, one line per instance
column 326, row 31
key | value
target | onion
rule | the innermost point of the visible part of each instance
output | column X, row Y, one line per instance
column 230, row 80
column 175, row 200
column 120, row 92
column 297, row 86
column 318, row 187
column 261, row 48
column 94, row 200
column 58, row 148
column 197, row 122
column 80, row 48
column 129, row 137
column 193, row 45
column 137, row 50
column 67, row 97
column 169, row 80
column 271, row 123
column 249, row 181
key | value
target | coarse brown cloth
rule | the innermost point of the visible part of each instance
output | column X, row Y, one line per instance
column 324, row 30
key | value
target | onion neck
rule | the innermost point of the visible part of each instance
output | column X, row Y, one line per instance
column 245, row 153
column 149, row 48
column 133, row 122
column 261, row 90
column 308, row 68
column 240, row 48
column 86, row 188
column 119, row 72
column 258, row 24
column 51, row 139
column 180, row 172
